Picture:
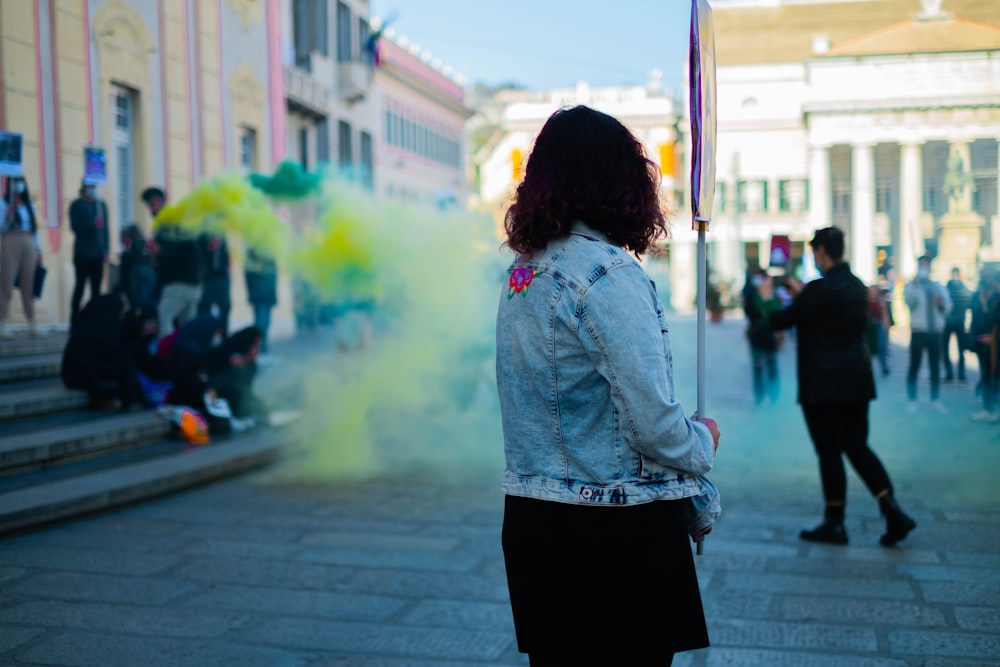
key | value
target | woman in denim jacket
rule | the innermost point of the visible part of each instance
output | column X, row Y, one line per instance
column 601, row 463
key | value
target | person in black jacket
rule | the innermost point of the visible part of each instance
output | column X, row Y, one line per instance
column 215, row 291
column 95, row 359
column 261, row 274
column 137, row 279
column 179, row 263
column 836, row 385
column 954, row 323
column 88, row 217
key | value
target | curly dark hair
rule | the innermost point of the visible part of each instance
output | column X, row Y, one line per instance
column 587, row 166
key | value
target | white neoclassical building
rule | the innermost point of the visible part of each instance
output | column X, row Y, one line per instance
column 879, row 116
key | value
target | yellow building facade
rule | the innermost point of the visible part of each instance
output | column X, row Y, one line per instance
column 174, row 91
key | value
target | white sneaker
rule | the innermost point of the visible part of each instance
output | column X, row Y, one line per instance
column 911, row 408
column 986, row 416
column 35, row 332
column 938, row 406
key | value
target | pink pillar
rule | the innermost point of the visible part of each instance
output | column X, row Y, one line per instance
column 276, row 80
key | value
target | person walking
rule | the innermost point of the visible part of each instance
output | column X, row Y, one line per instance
column 878, row 327
column 598, row 450
column 20, row 253
column 180, row 267
column 836, row 386
column 985, row 306
column 261, row 275
column 763, row 340
column 88, row 218
column 929, row 305
column 954, row 324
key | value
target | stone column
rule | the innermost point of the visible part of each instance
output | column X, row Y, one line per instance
column 819, row 187
column 862, row 250
column 911, row 206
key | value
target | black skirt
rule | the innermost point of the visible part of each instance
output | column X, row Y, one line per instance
column 602, row 585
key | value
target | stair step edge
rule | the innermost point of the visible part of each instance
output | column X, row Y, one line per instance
column 100, row 490
column 66, row 441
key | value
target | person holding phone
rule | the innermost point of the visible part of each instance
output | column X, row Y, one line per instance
column 20, row 252
column 836, row 385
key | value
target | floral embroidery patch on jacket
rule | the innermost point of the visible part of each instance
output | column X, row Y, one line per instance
column 520, row 279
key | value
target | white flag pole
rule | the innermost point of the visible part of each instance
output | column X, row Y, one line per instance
column 701, row 64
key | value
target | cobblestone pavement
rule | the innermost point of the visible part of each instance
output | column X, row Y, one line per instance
column 404, row 568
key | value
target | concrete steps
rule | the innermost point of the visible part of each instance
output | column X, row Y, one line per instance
column 103, row 489
column 60, row 459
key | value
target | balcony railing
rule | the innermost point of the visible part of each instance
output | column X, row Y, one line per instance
column 303, row 90
column 354, row 80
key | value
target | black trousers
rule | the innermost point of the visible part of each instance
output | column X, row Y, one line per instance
column 958, row 329
column 843, row 429
column 87, row 271
column 215, row 292
column 920, row 341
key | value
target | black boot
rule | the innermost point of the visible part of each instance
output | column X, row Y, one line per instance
column 831, row 531
column 897, row 524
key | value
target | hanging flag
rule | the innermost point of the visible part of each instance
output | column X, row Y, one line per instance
column 701, row 65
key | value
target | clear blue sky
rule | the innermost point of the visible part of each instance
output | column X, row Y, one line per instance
column 546, row 44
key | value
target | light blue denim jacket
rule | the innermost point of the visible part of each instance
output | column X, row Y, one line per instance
column 585, row 379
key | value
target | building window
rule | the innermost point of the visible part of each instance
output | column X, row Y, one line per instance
column 344, row 43
column 248, row 149
column 322, row 141
column 752, row 196
column 345, row 152
column 304, row 148
column 301, row 35
column 321, row 26
column 367, row 162
column 720, row 196
column 123, row 111
column 793, row 195
column 421, row 140
column 883, row 196
column 122, row 151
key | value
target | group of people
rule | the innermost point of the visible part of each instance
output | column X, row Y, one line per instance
column 938, row 314
column 161, row 335
column 114, row 354
column 184, row 272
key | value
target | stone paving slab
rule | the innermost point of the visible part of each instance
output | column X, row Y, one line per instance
column 403, row 568
column 94, row 650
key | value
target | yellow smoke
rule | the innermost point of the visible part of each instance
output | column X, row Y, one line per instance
column 405, row 375
column 228, row 204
